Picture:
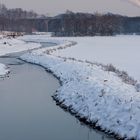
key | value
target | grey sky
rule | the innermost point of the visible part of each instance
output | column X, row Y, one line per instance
column 58, row 6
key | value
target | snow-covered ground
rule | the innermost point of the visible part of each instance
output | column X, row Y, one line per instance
column 99, row 96
column 13, row 45
column 121, row 51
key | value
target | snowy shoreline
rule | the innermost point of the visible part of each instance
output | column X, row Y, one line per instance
column 92, row 94
column 12, row 45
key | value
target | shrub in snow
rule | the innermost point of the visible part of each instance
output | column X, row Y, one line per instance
column 110, row 67
column 122, row 74
column 126, row 78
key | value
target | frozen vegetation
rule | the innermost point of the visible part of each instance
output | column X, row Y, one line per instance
column 99, row 94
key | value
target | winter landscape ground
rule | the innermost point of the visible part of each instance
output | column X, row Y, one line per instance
column 8, row 45
column 89, row 91
column 121, row 51
column 71, row 72
column 95, row 92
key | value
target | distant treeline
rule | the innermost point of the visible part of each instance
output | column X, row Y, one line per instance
column 20, row 20
column 67, row 24
column 23, row 25
column 82, row 24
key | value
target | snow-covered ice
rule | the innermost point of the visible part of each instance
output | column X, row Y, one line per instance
column 92, row 93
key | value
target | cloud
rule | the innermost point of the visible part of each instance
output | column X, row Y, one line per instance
column 134, row 2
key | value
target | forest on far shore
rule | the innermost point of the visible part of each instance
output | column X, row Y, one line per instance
column 67, row 24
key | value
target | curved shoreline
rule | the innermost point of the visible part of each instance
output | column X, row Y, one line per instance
column 31, row 57
column 15, row 64
column 70, row 110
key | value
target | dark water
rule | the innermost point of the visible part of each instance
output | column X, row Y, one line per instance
column 28, row 112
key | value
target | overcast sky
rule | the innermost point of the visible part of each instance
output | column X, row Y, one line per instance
column 53, row 7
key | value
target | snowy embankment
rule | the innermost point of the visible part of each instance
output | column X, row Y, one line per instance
column 3, row 70
column 96, row 96
column 8, row 46
column 15, row 45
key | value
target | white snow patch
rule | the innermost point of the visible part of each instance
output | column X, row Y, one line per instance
column 3, row 70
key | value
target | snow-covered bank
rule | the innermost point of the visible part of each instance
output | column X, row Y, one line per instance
column 14, row 45
column 3, row 70
column 98, row 96
column 11, row 46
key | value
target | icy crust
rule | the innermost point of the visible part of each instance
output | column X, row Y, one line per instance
column 94, row 94
column 3, row 70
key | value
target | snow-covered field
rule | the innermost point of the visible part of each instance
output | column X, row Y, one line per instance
column 121, row 51
column 99, row 96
